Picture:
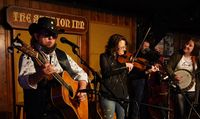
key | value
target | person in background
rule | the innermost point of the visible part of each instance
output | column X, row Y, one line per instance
column 157, row 90
column 186, row 59
column 137, row 77
column 114, row 78
column 37, row 80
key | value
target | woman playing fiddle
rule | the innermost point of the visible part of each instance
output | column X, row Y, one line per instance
column 136, row 79
column 114, row 75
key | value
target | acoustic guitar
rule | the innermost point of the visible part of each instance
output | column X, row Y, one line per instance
column 64, row 96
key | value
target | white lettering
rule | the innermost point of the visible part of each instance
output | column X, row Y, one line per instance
column 77, row 24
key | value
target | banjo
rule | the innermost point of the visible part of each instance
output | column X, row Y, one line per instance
column 187, row 81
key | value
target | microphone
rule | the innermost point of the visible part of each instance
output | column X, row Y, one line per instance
column 64, row 40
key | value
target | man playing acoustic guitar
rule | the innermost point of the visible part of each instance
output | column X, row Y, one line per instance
column 40, row 77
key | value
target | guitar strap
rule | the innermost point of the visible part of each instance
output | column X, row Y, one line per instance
column 193, row 63
column 64, row 62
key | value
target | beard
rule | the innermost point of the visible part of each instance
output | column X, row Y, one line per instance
column 46, row 49
column 49, row 49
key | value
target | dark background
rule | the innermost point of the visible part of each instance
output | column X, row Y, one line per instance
column 174, row 15
column 162, row 16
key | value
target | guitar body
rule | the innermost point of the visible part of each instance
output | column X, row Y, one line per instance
column 68, row 105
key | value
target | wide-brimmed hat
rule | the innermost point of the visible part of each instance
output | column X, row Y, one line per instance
column 43, row 23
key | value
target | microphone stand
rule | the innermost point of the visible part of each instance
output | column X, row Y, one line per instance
column 178, row 89
column 188, row 101
column 96, row 80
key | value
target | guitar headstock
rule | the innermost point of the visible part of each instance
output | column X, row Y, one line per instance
column 23, row 47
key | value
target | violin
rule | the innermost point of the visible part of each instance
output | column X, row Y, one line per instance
column 139, row 63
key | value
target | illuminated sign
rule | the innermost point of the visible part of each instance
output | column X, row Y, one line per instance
column 21, row 18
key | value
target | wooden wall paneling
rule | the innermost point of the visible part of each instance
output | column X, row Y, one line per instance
column 121, row 20
column 114, row 19
column 133, row 26
column 82, row 11
column 1, row 5
column 68, row 10
column 1, row 11
column 23, row 3
column 9, row 2
column 46, row 6
column 88, row 14
column 71, row 10
column 94, row 16
column 129, row 20
column 34, row 4
column 99, row 16
column 60, row 9
column 6, row 97
column 76, row 11
column 84, row 50
column 108, row 18
column 9, row 75
column 85, row 13
column 102, row 16
column 2, row 69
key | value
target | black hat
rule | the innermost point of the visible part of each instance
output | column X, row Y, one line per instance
column 43, row 23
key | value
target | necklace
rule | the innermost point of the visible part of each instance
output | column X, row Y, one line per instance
column 187, row 61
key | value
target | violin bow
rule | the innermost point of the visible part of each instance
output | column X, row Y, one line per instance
column 143, row 41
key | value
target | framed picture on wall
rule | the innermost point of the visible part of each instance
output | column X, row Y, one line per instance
column 168, row 45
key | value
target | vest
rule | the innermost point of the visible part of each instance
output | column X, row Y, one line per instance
column 39, row 100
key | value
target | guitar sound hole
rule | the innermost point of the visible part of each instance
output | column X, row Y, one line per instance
column 70, row 91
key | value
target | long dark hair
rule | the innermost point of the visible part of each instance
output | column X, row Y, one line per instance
column 196, row 40
column 113, row 42
column 195, row 51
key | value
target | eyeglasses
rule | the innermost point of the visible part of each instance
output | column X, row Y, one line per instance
column 122, row 48
column 48, row 34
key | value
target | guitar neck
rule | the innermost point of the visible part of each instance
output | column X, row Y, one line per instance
column 41, row 60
